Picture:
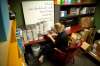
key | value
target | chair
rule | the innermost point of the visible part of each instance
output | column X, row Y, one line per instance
column 68, row 56
column 65, row 56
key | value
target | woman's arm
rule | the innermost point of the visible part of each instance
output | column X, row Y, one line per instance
column 58, row 50
column 52, row 39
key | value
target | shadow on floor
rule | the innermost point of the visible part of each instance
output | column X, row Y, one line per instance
column 80, row 60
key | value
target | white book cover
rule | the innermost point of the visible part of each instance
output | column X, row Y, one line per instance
column 24, row 35
column 41, row 28
column 29, row 35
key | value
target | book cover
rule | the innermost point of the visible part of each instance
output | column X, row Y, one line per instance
column 62, row 2
column 24, row 35
column 29, row 35
column 41, row 28
column 58, row 2
column 74, row 11
column 74, row 1
column 67, row 2
column 83, row 10
column 55, row 1
column 63, row 13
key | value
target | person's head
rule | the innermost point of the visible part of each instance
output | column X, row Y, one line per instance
column 59, row 27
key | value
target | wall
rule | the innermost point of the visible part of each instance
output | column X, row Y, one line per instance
column 97, row 15
column 17, row 8
column 56, row 13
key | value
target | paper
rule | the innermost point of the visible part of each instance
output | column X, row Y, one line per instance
column 37, row 11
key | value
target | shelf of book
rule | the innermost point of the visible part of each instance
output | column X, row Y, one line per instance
column 78, row 4
column 75, row 16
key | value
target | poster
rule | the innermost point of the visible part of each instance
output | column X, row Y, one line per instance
column 38, row 11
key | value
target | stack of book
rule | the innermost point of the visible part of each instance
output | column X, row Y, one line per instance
column 63, row 13
column 77, row 11
column 87, row 10
column 74, row 11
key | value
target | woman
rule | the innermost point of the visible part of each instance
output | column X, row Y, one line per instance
column 60, row 43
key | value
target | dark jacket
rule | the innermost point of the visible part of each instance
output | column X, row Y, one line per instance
column 61, row 41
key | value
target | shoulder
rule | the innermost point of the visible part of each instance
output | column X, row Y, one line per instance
column 63, row 34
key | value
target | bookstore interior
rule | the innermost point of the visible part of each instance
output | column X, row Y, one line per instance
column 26, row 28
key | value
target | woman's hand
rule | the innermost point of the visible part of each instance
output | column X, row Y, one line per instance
column 50, row 36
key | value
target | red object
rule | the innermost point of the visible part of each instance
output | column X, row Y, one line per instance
column 68, row 56
column 33, row 42
column 75, row 28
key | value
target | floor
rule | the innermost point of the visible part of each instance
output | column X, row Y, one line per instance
column 80, row 60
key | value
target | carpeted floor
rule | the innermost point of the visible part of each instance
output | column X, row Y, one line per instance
column 80, row 60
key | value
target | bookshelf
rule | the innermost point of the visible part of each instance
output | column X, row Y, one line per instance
column 71, row 11
column 78, row 4
column 74, row 16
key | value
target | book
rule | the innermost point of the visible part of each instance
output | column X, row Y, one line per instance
column 62, row 2
column 41, row 28
column 58, row 2
column 63, row 13
column 29, row 35
column 67, row 2
column 74, row 11
column 75, row 1
column 55, row 1
column 85, row 45
column 24, row 34
column 83, row 10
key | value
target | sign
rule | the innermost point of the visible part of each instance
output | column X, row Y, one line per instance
column 39, row 11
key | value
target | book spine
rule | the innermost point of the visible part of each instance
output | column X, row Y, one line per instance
column 55, row 1
column 58, row 2
column 24, row 36
column 29, row 35
column 67, row 2
column 62, row 2
column 63, row 13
